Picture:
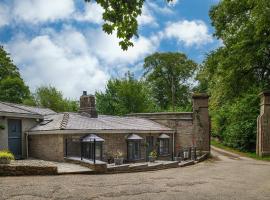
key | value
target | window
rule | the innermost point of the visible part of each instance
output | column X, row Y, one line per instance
column 164, row 146
column 134, row 150
column 88, row 150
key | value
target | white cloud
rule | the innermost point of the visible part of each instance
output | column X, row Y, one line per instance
column 35, row 11
column 188, row 32
column 92, row 13
column 106, row 47
column 146, row 17
column 159, row 9
column 173, row 3
column 73, row 61
column 60, row 59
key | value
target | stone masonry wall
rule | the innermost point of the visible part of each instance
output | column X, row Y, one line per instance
column 263, row 126
column 201, row 122
column 182, row 123
column 46, row 147
column 3, row 134
column 191, row 128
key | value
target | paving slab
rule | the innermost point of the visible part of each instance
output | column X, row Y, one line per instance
column 70, row 168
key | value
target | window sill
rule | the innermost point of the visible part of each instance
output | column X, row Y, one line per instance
column 164, row 155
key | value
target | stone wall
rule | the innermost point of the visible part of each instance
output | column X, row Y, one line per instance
column 181, row 122
column 11, row 170
column 263, row 126
column 201, row 122
column 3, row 134
column 191, row 128
column 46, row 147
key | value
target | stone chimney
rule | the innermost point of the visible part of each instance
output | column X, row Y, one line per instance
column 88, row 105
column 263, row 126
column 201, row 121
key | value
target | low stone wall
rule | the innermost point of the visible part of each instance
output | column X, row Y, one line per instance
column 28, row 167
column 98, row 167
column 13, row 170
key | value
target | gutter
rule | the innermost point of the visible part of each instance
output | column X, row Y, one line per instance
column 82, row 131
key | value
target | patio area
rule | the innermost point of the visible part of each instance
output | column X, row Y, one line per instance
column 103, row 167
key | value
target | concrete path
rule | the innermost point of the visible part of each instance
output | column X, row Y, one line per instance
column 220, row 178
column 69, row 168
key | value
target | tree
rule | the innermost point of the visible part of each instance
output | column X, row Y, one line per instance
column 168, row 75
column 12, row 87
column 121, row 15
column 123, row 96
column 13, row 90
column 235, row 73
column 50, row 97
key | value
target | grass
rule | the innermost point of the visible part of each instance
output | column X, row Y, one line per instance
column 245, row 154
column 6, row 155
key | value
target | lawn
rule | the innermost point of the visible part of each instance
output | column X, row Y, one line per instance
column 246, row 154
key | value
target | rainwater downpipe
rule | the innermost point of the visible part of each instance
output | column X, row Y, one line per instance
column 26, row 143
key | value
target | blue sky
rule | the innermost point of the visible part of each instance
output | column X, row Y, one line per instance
column 61, row 43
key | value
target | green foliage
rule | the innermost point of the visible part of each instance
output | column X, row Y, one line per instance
column 235, row 73
column 234, row 123
column 121, row 15
column 12, row 87
column 123, row 96
column 7, row 68
column 2, row 127
column 5, row 154
column 50, row 97
column 153, row 154
column 168, row 75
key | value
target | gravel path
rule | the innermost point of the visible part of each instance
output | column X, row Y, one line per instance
column 223, row 177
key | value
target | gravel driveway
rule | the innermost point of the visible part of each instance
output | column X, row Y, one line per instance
column 223, row 177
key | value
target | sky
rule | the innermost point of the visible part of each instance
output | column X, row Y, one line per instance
column 61, row 43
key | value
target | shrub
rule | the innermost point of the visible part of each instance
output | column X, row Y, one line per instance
column 153, row 154
column 5, row 154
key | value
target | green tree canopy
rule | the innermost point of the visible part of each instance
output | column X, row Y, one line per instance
column 123, row 96
column 12, row 87
column 50, row 97
column 168, row 75
column 121, row 15
column 235, row 73
column 13, row 90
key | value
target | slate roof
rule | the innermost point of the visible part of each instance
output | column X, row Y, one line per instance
column 77, row 121
column 12, row 108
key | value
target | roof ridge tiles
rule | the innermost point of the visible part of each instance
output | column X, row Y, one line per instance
column 64, row 121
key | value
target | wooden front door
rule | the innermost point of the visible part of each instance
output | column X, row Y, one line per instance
column 15, row 137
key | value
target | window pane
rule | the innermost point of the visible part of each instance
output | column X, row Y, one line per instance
column 133, row 150
column 164, row 146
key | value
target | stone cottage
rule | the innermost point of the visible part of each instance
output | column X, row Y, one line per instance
column 15, row 121
column 54, row 136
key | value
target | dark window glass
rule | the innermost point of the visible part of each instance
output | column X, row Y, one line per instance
column 134, row 152
column 88, row 150
column 164, row 146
